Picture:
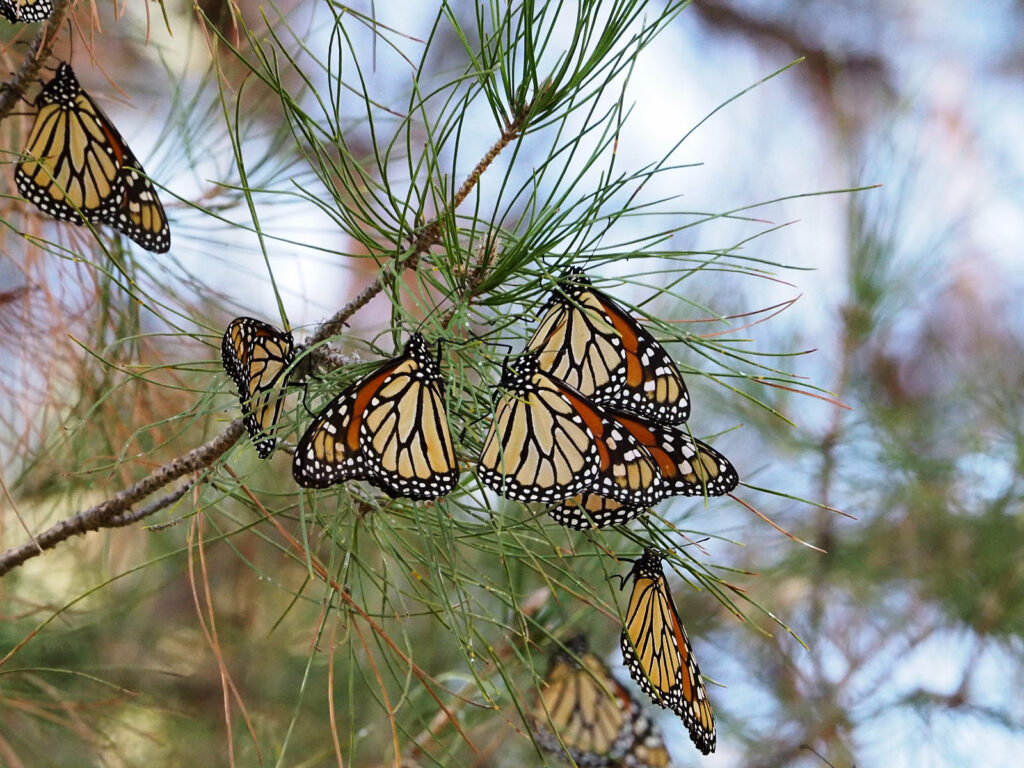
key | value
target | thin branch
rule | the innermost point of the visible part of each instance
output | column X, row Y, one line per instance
column 117, row 511
column 38, row 52
column 153, row 507
column 101, row 515
column 427, row 237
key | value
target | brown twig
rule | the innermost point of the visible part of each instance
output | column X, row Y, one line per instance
column 117, row 510
column 38, row 52
column 152, row 508
column 427, row 237
column 101, row 515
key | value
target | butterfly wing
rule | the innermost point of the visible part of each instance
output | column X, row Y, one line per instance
column 591, row 510
column 405, row 429
column 548, row 442
column 688, row 467
column 582, row 709
column 25, row 11
column 389, row 428
column 72, row 168
column 256, row 356
column 587, row 340
column 648, row 747
column 575, row 342
column 659, row 656
column 538, row 447
column 141, row 215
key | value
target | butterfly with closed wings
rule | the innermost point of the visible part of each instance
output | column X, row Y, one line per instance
column 658, row 654
column 389, row 428
column 592, row 344
column 586, row 713
column 548, row 442
column 257, row 356
column 78, row 168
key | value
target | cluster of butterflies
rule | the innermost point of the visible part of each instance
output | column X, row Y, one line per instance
column 587, row 421
column 76, row 166
column 585, row 713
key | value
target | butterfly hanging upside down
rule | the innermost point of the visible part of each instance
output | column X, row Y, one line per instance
column 257, row 356
column 658, row 654
column 588, row 341
column 600, row 466
column 688, row 467
column 389, row 428
column 548, row 442
column 78, row 168
column 585, row 712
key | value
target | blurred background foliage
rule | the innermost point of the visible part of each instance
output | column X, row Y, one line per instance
column 217, row 641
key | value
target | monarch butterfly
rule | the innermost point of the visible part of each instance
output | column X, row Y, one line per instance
column 257, row 356
column 592, row 344
column 688, row 467
column 658, row 654
column 548, row 442
column 25, row 10
column 389, row 428
column 78, row 168
column 584, row 711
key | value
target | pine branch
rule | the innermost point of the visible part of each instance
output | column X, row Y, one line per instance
column 117, row 511
column 428, row 236
column 101, row 515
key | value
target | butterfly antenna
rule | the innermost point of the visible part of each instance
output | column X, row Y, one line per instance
column 624, row 577
column 473, row 423
column 305, row 397
column 436, row 308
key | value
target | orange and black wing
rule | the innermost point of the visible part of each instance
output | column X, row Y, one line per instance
column 584, row 712
column 658, row 654
column 591, row 510
column 548, row 443
column 256, row 356
column 78, row 168
column 582, row 709
column 688, row 467
column 647, row 749
column 141, row 215
column 591, row 343
column 389, row 428
column 73, row 158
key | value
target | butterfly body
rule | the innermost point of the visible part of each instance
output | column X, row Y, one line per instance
column 658, row 654
column 256, row 356
column 591, row 343
column 79, row 169
column 389, row 428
